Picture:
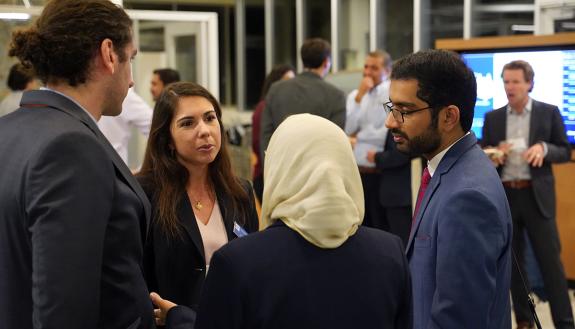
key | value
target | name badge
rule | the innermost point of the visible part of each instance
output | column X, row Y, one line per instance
column 239, row 231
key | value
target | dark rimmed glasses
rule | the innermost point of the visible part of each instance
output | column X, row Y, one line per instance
column 399, row 115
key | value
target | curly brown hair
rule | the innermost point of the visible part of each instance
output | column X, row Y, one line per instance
column 67, row 35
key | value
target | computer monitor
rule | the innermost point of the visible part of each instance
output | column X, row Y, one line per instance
column 554, row 81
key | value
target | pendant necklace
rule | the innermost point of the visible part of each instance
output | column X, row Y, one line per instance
column 198, row 205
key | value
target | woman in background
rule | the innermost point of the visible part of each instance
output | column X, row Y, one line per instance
column 280, row 72
column 198, row 203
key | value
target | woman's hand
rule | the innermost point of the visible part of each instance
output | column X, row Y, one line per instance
column 163, row 305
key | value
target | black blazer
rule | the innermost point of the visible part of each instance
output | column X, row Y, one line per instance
column 176, row 267
column 546, row 125
column 395, row 181
column 276, row 279
column 72, row 223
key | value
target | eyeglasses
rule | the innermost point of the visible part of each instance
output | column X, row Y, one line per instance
column 398, row 114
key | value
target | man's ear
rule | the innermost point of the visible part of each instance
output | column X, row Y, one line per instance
column 451, row 117
column 108, row 55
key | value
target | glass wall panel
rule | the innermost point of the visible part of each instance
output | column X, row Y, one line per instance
column 165, row 44
column 284, row 33
column 440, row 19
column 226, row 35
column 317, row 19
column 353, row 33
column 493, row 18
column 394, row 23
column 255, row 51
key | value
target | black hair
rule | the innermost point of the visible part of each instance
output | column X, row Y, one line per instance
column 19, row 77
column 443, row 79
column 314, row 52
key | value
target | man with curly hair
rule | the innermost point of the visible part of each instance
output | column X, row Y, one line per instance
column 73, row 219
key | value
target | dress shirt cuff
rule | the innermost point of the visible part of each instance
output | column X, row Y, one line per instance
column 545, row 148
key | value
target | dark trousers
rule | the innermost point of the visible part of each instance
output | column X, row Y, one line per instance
column 395, row 220
column 542, row 233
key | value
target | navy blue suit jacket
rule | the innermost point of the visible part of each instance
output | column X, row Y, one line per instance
column 459, row 248
column 276, row 279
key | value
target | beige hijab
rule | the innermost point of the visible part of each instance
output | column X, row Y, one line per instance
column 311, row 181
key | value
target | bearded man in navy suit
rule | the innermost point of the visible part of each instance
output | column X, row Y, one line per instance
column 459, row 249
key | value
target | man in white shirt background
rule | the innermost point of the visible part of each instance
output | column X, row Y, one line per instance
column 374, row 154
column 136, row 113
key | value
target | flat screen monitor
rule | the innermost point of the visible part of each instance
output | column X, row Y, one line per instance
column 554, row 81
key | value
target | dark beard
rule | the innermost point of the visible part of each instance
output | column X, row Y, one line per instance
column 425, row 143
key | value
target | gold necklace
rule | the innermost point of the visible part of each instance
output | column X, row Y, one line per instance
column 198, row 205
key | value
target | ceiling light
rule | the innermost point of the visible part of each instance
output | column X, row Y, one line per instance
column 14, row 16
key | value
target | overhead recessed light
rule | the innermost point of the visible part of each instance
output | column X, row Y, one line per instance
column 14, row 16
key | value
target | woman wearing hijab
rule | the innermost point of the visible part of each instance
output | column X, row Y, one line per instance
column 314, row 266
column 198, row 203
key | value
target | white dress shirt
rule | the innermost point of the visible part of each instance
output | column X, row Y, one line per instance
column 367, row 120
column 118, row 130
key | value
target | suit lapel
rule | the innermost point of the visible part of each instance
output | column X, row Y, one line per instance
column 433, row 185
column 188, row 220
column 533, row 122
column 456, row 151
column 501, row 124
column 47, row 98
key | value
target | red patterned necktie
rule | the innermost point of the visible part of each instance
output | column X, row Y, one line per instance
column 425, row 178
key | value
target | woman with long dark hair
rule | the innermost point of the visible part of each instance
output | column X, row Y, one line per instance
column 279, row 72
column 198, row 203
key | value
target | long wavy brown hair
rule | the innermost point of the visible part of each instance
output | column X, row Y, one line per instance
column 162, row 171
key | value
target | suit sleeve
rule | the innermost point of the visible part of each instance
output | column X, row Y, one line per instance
column 180, row 317
column 471, row 240
column 486, row 132
column 149, row 260
column 339, row 113
column 404, row 318
column 221, row 304
column 70, row 186
column 558, row 148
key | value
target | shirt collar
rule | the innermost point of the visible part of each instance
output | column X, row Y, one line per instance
column 434, row 162
column 527, row 108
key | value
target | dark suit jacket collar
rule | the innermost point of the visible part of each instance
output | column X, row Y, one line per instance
column 51, row 99
column 450, row 158
column 188, row 219
column 310, row 75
